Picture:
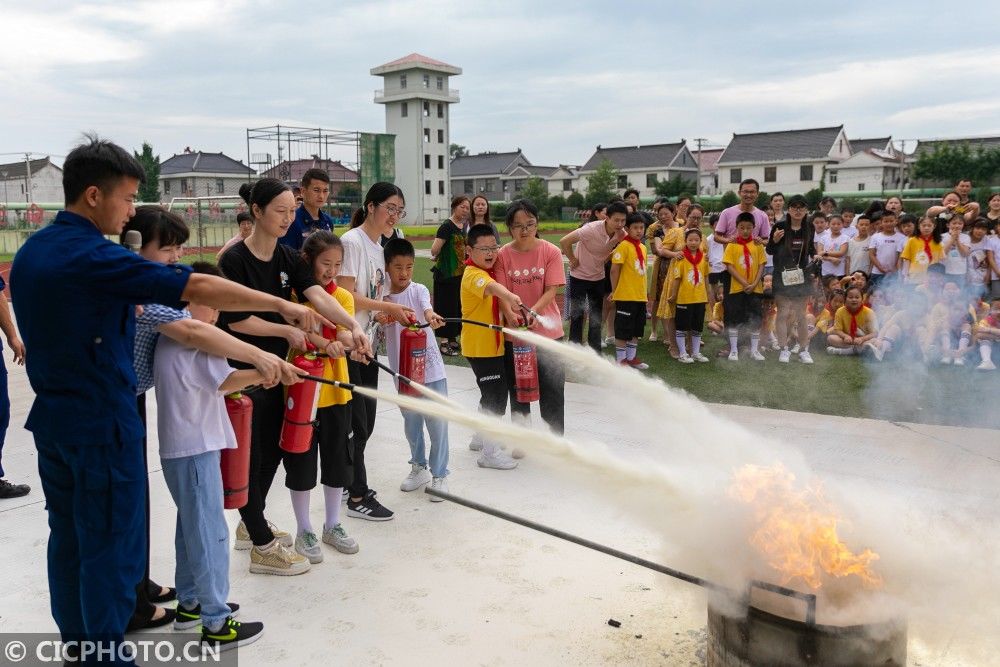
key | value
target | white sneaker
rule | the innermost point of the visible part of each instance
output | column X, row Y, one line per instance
column 685, row 359
column 784, row 356
column 338, row 538
column 653, row 338
column 419, row 475
column 439, row 484
column 876, row 350
column 959, row 361
column 498, row 460
column 476, row 443
column 986, row 365
column 700, row 358
column 307, row 545
column 795, row 349
column 945, row 361
column 734, row 356
column 757, row 356
column 805, row 357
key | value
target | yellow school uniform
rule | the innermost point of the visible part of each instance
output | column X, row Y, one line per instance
column 333, row 369
column 479, row 341
column 914, row 252
column 825, row 320
column 632, row 278
column 687, row 291
column 865, row 319
column 733, row 256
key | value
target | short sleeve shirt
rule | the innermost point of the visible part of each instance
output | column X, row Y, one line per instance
column 364, row 260
column 417, row 297
column 450, row 261
column 688, row 291
column 528, row 274
column 632, row 279
column 479, row 341
column 147, row 332
column 592, row 251
column 727, row 222
column 864, row 320
column 733, row 256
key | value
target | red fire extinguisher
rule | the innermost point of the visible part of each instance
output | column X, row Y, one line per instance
column 236, row 462
column 525, row 372
column 412, row 358
column 300, row 406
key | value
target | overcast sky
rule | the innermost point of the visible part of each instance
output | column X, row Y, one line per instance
column 553, row 78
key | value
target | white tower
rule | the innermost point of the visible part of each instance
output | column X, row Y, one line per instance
column 416, row 96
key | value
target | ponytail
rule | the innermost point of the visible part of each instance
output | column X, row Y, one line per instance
column 377, row 194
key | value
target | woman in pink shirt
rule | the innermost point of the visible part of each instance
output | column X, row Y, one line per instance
column 532, row 268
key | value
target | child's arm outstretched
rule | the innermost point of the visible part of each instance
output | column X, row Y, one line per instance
column 510, row 303
column 239, row 380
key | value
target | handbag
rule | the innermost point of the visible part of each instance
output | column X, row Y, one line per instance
column 795, row 276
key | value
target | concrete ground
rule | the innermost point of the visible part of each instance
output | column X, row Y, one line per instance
column 442, row 584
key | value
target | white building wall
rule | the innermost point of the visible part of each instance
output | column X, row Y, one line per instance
column 868, row 179
column 787, row 177
column 46, row 187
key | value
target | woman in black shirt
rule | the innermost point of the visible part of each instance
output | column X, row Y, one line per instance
column 791, row 245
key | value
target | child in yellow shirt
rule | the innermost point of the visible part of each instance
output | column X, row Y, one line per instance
column 484, row 300
column 854, row 325
column 689, row 294
column 744, row 259
column 921, row 251
column 628, row 292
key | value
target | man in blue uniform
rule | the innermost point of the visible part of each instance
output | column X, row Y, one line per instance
column 74, row 296
column 7, row 488
column 310, row 217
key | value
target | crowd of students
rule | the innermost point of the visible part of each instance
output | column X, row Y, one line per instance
column 875, row 283
column 774, row 279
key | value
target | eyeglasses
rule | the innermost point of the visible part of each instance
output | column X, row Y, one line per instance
column 531, row 226
column 393, row 210
column 489, row 250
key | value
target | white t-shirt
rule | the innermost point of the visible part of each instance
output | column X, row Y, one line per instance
column 849, row 231
column 715, row 252
column 418, row 298
column 831, row 244
column 365, row 262
column 977, row 263
column 191, row 413
column 822, row 238
column 857, row 251
column 887, row 249
column 954, row 263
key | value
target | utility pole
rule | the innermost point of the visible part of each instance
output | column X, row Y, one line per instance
column 902, row 166
column 697, row 183
column 27, row 183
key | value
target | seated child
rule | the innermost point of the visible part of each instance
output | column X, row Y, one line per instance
column 854, row 325
column 952, row 319
column 987, row 334
column 399, row 258
column 193, row 429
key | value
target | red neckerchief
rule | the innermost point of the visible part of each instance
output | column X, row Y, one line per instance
column 747, row 261
column 638, row 251
column 496, row 301
column 927, row 247
column 854, row 320
column 695, row 262
column 328, row 333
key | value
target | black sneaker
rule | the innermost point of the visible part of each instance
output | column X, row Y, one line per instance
column 8, row 490
column 368, row 508
column 232, row 634
column 189, row 618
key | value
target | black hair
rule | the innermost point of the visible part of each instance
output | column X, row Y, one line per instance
column 457, row 200
column 860, row 292
column 397, row 248
column 681, row 198
column 906, row 217
column 521, row 205
column 846, row 208
column 207, row 268
column 816, row 216
column 935, row 233
column 156, row 223
column 776, row 194
column 696, row 206
column 749, row 181
column 600, row 206
column 376, row 194
column 317, row 243
column 890, row 212
column 243, row 215
column 262, row 192
column 713, row 220
column 615, row 198
column 314, row 174
column 981, row 222
column 671, row 206
column 631, row 191
column 876, row 206
column 745, row 216
column 100, row 163
column 828, row 200
column 472, row 213
column 477, row 232
column 692, row 230
column 634, row 218
column 616, row 207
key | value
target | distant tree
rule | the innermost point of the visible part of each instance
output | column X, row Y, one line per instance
column 457, row 150
column 813, row 197
column 554, row 206
column 149, row 192
column 729, row 198
column 536, row 192
column 576, row 200
column 763, row 200
column 950, row 163
column 602, row 184
column 349, row 192
column 674, row 187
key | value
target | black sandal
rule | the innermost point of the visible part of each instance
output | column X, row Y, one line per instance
column 153, row 591
column 143, row 619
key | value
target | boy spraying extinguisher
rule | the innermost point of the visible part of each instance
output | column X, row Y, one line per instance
column 399, row 259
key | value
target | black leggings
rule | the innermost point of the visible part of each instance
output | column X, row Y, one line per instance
column 551, row 388
column 491, row 376
column 143, row 605
column 362, row 420
column 265, row 457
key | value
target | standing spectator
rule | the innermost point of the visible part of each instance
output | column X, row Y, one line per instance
column 894, row 204
column 245, row 223
column 7, row 488
column 857, row 248
column 725, row 231
column 993, row 212
column 631, row 197
column 964, row 190
column 827, row 206
column 310, row 216
column 833, row 249
column 952, row 206
column 665, row 245
column 481, row 215
column 683, row 206
column 744, row 259
column 978, row 271
column 955, row 247
column 448, row 253
column 628, row 291
column 597, row 240
column 777, row 207
column 791, row 244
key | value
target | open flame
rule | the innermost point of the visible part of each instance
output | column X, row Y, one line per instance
column 798, row 529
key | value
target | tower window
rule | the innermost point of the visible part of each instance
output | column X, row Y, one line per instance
column 404, row 109
column 402, row 81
